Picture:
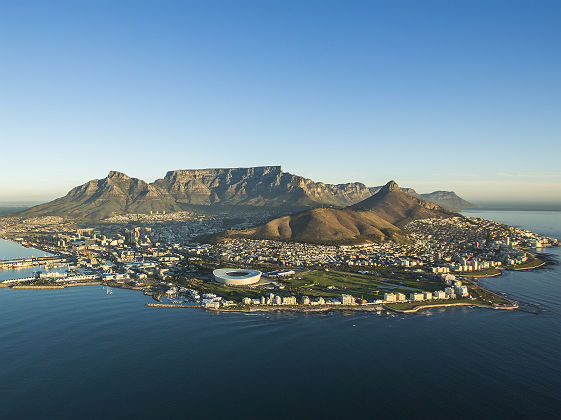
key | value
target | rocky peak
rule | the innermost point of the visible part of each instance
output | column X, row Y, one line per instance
column 117, row 175
column 390, row 186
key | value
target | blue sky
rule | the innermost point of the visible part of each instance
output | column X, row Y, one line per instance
column 454, row 95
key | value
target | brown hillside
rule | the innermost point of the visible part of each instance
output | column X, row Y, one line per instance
column 398, row 207
column 326, row 226
column 373, row 219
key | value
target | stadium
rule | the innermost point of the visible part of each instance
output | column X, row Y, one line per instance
column 236, row 277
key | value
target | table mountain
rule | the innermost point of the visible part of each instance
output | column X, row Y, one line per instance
column 205, row 189
column 264, row 186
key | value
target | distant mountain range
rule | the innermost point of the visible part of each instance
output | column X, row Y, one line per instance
column 210, row 189
column 378, row 218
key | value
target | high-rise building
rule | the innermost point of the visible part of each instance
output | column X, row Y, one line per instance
column 347, row 300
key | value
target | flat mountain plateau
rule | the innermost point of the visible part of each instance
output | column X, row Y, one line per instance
column 212, row 190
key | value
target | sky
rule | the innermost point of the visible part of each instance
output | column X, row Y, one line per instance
column 437, row 95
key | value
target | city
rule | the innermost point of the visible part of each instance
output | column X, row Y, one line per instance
column 438, row 265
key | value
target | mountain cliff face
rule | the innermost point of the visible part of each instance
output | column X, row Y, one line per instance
column 115, row 194
column 391, row 203
column 449, row 200
column 259, row 186
column 375, row 219
column 264, row 186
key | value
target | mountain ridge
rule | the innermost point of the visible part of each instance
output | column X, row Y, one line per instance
column 184, row 189
column 378, row 218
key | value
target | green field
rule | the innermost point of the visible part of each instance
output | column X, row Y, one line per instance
column 370, row 287
column 486, row 296
column 531, row 263
column 315, row 283
column 487, row 272
column 333, row 283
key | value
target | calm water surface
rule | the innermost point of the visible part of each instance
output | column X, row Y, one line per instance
column 81, row 352
column 10, row 250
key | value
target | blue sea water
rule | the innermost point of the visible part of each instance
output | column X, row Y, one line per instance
column 10, row 250
column 83, row 353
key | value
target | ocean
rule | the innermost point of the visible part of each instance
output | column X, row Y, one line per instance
column 85, row 353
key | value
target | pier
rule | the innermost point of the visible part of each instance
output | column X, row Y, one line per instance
column 31, row 262
column 20, row 280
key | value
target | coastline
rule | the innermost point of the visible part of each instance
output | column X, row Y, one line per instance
column 326, row 308
column 298, row 308
column 54, row 286
column 445, row 305
column 530, row 268
column 480, row 276
column 288, row 308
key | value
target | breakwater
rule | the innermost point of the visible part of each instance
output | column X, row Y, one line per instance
column 54, row 286
column 31, row 262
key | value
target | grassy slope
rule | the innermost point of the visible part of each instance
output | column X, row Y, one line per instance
column 481, row 273
column 326, row 226
column 531, row 263
column 316, row 283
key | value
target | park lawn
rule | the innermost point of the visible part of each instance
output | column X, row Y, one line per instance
column 531, row 263
column 371, row 287
column 482, row 273
column 487, row 297
column 315, row 283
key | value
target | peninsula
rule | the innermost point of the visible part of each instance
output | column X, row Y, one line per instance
column 331, row 247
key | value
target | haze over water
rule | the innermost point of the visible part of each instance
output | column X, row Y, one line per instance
column 80, row 352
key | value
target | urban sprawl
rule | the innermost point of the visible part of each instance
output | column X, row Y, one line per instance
column 161, row 251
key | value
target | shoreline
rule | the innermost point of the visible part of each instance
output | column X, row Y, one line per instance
column 53, row 286
column 529, row 268
column 299, row 308
column 445, row 305
column 481, row 276
column 280, row 308
column 326, row 308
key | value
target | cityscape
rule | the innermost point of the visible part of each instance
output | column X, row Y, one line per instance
column 311, row 209
column 168, row 263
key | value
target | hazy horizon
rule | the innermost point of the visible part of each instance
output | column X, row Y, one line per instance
column 497, row 204
column 455, row 96
column 29, row 195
